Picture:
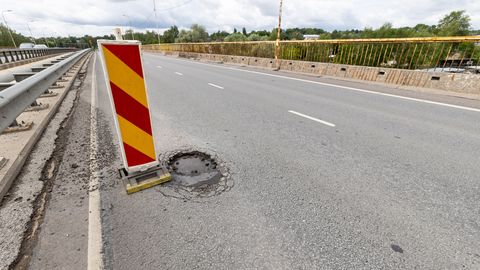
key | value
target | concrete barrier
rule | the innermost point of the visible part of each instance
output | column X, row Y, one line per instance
column 453, row 82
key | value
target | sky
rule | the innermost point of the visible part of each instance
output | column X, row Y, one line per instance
column 99, row 17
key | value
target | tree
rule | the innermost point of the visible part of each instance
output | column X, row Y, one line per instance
column 325, row 36
column 235, row 37
column 6, row 41
column 294, row 34
column 219, row 36
column 423, row 30
column 261, row 33
column 170, row 35
column 457, row 23
column 184, row 36
column 273, row 34
column 244, row 31
column 256, row 37
column 197, row 33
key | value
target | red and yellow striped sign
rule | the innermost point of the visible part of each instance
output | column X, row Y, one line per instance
column 124, row 73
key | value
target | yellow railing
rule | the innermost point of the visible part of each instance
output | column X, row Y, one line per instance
column 405, row 53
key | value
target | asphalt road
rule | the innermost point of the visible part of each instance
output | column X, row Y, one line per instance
column 325, row 177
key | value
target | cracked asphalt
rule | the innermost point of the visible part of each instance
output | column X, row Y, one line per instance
column 394, row 185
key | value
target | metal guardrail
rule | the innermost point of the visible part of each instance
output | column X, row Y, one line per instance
column 403, row 53
column 14, row 55
column 15, row 99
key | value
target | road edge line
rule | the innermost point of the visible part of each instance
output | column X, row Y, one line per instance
column 94, row 255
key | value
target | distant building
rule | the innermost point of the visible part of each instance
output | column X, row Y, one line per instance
column 311, row 37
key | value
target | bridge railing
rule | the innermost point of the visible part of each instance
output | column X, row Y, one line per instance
column 13, row 55
column 402, row 53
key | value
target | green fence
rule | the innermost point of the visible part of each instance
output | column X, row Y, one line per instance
column 403, row 53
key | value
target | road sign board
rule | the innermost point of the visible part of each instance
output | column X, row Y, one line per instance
column 123, row 69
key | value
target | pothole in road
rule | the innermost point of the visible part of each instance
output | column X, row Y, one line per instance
column 195, row 174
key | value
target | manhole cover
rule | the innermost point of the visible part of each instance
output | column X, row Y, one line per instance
column 194, row 170
column 195, row 175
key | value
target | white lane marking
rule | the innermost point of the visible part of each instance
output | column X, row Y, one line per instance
column 214, row 85
column 313, row 118
column 178, row 73
column 340, row 86
column 159, row 66
column 94, row 258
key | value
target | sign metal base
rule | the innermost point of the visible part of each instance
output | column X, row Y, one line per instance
column 138, row 181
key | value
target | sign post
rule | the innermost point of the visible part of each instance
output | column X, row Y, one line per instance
column 122, row 66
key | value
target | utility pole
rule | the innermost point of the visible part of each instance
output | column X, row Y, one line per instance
column 55, row 38
column 277, row 43
column 9, row 31
column 130, row 23
column 45, row 37
column 31, row 35
column 156, row 21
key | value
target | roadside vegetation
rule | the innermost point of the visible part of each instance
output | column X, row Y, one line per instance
column 457, row 23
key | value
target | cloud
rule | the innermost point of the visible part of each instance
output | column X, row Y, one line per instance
column 98, row 17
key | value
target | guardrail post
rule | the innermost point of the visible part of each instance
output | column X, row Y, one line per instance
column 6, row 57
column 3, row 161
column 17, row 127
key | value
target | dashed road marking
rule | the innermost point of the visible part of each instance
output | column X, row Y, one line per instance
column 313, row 118
column 217, row 86
column 178, row 73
